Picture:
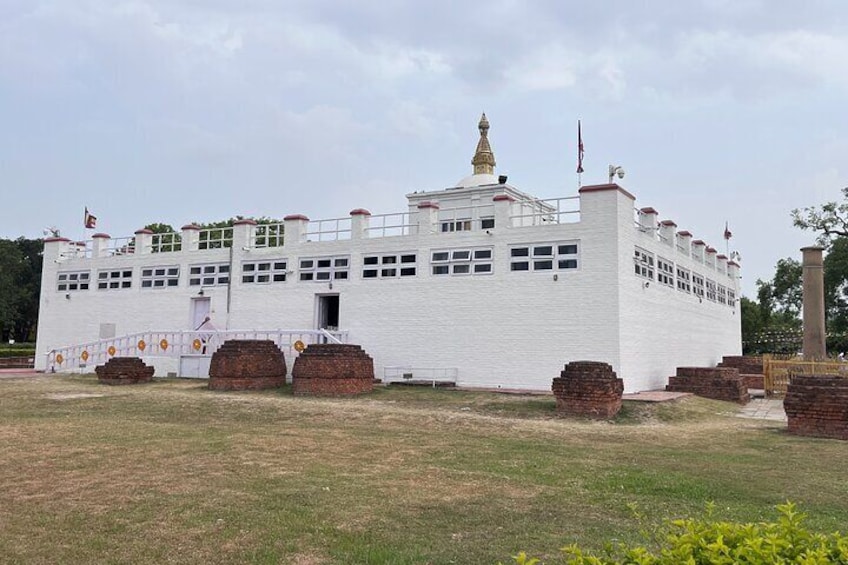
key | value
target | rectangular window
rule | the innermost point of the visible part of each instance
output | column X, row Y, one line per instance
column 487, row 223
column 684, row 281
column 371, row 263
column 160, row 277
column 722, row 294
column 665, row 272
column 698, row 285
column 263, row 272
column 209, row 275
column 643, row 261
column 711, row 290
column 472, row 261
column 114, row 279
column 543, row 257
column 456, row 225
column 323, row 269
column 73, row 281
column 731, row 297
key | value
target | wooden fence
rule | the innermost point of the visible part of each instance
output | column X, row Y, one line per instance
column 777, row 369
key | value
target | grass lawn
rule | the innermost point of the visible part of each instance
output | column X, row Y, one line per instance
column 171, row 472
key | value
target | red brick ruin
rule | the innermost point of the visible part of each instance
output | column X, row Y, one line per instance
column 124, row 371
column 817, row 405
column 247, row 364
column 588, row 388
column 750, row 369
column 329, row 369
column 720, row 383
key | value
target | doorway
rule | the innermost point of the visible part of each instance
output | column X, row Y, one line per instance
column 327, row 312
column 200, row 309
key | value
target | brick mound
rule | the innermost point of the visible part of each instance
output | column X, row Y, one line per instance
column 750, row 368
column 247, row 364
column 817, row 405
column 329, row 369
column 588, row 388
column 721, row 383
column 124, row 371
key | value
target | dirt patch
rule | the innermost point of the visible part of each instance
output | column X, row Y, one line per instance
column 72, row 395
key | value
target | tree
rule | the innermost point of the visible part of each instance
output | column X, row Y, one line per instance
column 830, row 219
column 20, row 287
column 780, row 299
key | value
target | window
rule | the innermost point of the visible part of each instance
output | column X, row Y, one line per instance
column 684, row 281
column 209, row 275
column 73, row 280
column 472, row 261
column 114, row 279
column 456, row 225
column 665, row 272
column 711, row 290
column 263, row 272
column 731, row 297
column 325, row 269
column 698, row 285
column 389, row 266
column 487, row 223
column 160, row 277
column 722, row 294
column 543, row 257
column 644, row 263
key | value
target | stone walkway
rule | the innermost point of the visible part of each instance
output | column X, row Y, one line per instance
column 764, row 409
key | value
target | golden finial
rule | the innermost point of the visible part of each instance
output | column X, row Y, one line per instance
column 484, row 159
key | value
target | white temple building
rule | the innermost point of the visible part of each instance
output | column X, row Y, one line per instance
column 479, row 283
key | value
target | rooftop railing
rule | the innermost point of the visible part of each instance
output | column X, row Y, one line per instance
column 390, row 225
column 269, row 235
column 545, row 212
column 334, row 229
column 165, row 242
column 215, row 238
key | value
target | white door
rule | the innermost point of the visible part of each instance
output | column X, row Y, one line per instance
column 200, row 308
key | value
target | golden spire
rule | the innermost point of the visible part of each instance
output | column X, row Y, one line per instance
column 484, row 159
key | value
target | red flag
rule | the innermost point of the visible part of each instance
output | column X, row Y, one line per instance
column 89, row 220
column 727, row 234
column 579, row 148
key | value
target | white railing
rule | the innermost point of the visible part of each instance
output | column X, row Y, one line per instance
column 389, row 225
column 434, row 375
column 79, row 250
column 329, row 230
column 544, row 212
column 269, row 235
column 165, row 242
column 215, row 238
column 177, row 343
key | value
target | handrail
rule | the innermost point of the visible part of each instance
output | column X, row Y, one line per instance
column 538, row 212
column 174, row 343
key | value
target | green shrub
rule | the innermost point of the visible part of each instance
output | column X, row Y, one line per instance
column 710, row 542
column 17, row 353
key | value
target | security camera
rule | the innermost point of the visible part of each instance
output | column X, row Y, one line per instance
column 620, row 173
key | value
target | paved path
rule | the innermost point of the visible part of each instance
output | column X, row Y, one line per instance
column 764, row 409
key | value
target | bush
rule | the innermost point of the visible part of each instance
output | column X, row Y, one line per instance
column 16, row 353
column 709, row 542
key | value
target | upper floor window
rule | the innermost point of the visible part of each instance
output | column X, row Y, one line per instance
column 544, row 257
column 73, row 280
column 160, row 277
column 323, row 269
column 261, row 272
column 684, row 281
column 470, row 261
column 644, row 263
column 209, row 275
column 389, row 265
column 114, row 279
column 665, row 272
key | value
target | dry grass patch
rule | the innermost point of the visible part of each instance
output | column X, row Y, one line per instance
column 170, row 471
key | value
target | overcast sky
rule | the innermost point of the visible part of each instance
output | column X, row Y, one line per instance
column 199, row 110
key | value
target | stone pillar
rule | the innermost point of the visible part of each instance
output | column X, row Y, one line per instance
column 814, row 332
column 648, row 219
column 428, row 218
column 244, row 234
column 667, row 229
column 296, row 226
column 360, row 219
column 503, row 210
column 190, row 237
column 100, row 245
column 143, row 241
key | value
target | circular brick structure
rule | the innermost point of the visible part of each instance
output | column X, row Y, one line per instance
column 329, row 369
column 247, row 364
column 588, row 388
column 124, row 371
